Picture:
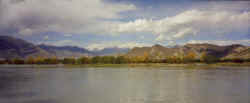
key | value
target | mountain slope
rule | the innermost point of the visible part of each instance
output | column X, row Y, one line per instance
column 239, row 52
column 224, row 52
column 66, row 51
column 11, row 47
column 16, row 48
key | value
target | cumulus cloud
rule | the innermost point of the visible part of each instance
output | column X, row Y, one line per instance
column 221, row 42
column 28, row 17
column 189, row 23
column 118, row 44
column 68, row 17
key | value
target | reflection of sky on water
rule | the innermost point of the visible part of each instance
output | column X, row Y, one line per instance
column 124, row 86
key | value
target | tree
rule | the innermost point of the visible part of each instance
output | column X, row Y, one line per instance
column 3, row 62
column 18, row 61
column 121, row 60
column 30, row 60
column 176, row 59
column 138, row 59
column 190, row 57
column 52, row 60
column 39, row 60
column 83, row 60
column 207, row 58
column 146, row 58
column 96, row 60
column 108, row 59
column 69, row 61
column 237, row 60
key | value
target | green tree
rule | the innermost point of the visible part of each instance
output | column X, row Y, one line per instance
column 207, row 58
column 18, row 61
column 83, row 60
column 108, row 59
column 69, row 61
column 52, row 60
column 96, row 60
column 121, row 60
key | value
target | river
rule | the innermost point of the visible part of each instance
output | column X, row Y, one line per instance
column 125, row 85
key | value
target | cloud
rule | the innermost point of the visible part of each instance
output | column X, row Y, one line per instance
column 68, row 35
column 28, row 17
column 46, row 37
column 189, row 23
column 100, row 46
column 169, row 24
column 221, row 42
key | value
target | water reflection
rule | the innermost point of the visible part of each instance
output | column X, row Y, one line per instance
column 124, row 85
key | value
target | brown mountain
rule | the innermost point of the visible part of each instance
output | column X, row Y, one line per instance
column 223, row 52
column 11, row 47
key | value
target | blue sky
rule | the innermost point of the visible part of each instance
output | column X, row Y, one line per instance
column 126, row 23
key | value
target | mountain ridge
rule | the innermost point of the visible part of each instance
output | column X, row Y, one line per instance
column 11, row 47
column 222, row 52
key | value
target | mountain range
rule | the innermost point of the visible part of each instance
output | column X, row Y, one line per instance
column 17, row 48
column 11, row 47
column 221, row 52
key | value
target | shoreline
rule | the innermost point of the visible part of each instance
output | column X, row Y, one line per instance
column 158, row 65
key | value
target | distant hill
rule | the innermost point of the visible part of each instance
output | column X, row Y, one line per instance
column 11, row 47
column 223, row 52
column 73, row 51
column 16, row 48
column 111, row 51
column 65, row 51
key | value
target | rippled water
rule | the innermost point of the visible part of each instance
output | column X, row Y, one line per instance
column 124, row 85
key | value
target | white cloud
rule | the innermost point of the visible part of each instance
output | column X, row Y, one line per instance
column 68, row 35
column 46, row 37
column 189, row 23
column 221, row 42
column 66, row 16
column 26, row 32
column 102, row 45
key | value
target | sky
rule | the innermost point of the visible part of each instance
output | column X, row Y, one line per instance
column 98, row 24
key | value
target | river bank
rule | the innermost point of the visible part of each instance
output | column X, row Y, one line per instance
column 155, row 65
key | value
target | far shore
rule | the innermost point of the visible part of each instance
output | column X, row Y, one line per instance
column 151, row 65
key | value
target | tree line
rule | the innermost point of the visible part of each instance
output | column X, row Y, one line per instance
column 189, row 58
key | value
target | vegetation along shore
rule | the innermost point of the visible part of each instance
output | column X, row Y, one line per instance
column 122, row 61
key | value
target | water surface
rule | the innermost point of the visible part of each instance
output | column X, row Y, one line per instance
column 124, row 85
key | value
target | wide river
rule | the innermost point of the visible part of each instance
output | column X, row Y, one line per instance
column 125, row 85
